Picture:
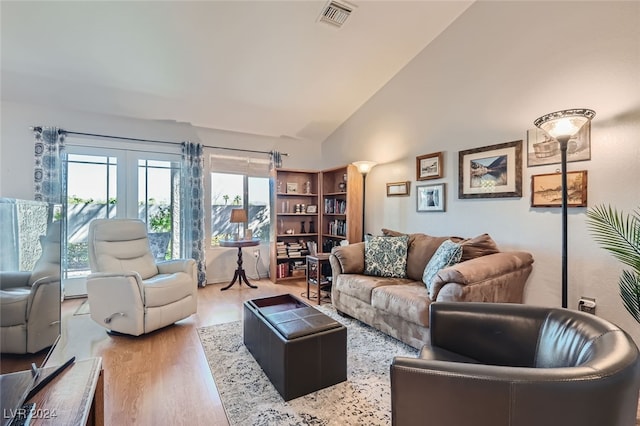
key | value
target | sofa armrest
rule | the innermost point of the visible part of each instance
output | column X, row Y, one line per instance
column 347, row 259
column 486, row 271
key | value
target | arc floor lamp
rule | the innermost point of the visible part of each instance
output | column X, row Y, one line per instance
column 562, row 126
column 364, row 167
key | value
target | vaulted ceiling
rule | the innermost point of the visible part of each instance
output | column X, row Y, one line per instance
column 260, row 67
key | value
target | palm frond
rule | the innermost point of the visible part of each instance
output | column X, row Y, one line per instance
column 617, row 233
column 630, row 293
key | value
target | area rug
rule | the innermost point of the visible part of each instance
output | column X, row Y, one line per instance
column 249, row 398
column 83, row 309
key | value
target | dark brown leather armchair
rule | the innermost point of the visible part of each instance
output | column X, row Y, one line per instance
column 519, row 365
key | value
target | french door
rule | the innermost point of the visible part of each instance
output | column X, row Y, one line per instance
column 118, row 183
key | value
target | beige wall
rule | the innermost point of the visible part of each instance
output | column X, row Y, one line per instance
column 484, row 81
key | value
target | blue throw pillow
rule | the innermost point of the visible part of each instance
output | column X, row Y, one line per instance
column 386, row 256
column 449, row 253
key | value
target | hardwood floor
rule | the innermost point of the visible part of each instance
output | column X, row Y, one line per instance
column 163, row 377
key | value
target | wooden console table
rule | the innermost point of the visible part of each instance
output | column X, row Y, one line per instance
column 75, row 397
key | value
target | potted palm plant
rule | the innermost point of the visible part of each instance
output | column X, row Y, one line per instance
column 619, row 233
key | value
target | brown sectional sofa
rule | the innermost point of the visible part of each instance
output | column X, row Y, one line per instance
column 399, row 307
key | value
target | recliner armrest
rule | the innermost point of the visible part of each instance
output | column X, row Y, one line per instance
column 176, row 265
column 11, row 279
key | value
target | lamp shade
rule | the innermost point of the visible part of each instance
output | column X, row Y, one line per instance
column 565, row 123
column 364, row 167
column 238, row 216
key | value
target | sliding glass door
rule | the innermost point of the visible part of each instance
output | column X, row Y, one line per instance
column 114, row 183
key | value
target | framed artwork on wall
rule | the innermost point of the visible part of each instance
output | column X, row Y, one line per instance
column 429, row 166
column 546, row 189
column 493, row 171
column 430, row 198
column 541, row 149
column 398, row 188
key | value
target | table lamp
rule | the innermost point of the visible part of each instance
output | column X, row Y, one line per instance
column 238, row 216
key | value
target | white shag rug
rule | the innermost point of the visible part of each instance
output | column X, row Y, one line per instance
column 250, row 399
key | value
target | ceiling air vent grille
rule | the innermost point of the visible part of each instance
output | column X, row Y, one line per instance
column 335, row 13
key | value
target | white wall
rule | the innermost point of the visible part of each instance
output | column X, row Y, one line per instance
column 483, row 81
column 16, row 157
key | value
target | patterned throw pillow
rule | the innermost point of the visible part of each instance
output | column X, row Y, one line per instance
column 449, row 253
column 386, row 256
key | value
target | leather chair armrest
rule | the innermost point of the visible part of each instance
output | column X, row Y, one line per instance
column 117, row 296
column 454, row 393
column 177, row 265
column 11, row 279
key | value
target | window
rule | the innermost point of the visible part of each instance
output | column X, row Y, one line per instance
column 239, row 183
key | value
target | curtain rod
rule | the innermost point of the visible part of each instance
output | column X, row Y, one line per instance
column 66, row 132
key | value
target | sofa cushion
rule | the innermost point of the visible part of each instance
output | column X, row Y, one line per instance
column 386, row 256
column 408, row 301
column 165, row 289
column 449, row 253
column 360, row 286
column 421, row 248
column 481, row 245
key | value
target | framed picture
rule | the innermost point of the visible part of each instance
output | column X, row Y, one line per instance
column 541, row 149
column 430, row 198
column 429, row 166
column 292, row 187
column 493, row 171
column 546, row 189
column 398, row 188
column 311, row 208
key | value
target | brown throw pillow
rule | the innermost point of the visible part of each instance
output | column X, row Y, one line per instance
column 481, row 245
column 389, row 233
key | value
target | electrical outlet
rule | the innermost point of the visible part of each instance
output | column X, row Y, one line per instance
column 256, row 253
column 587, row 304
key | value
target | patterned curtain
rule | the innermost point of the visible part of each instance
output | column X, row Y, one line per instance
column 192, row 204
column 49, row 179
column 275, row 160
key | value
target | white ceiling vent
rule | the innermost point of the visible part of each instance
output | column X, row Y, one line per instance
column 336, row 13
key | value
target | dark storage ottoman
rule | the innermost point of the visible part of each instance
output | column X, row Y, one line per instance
column 300, row 349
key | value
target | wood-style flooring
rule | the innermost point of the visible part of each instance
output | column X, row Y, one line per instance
column 161, row 378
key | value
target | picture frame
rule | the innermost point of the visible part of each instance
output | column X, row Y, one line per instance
column 398, row 188
column 312, row 208
column 541, row 149
column 546, row 189
column 292, row 187
column 493, row 171
column 430, row 198
column 429, row 166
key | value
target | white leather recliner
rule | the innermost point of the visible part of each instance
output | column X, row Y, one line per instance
column 30, row 300
column 128, row 291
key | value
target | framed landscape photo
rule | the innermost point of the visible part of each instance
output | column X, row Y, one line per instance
column 430, row 198
column 546, row 189
column 493, row 171
column 429, row 166
column 292, row 187
column 398, row 188
column 541, row 149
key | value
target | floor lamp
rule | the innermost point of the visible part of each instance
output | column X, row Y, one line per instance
column 562, row 126
column 364, row 167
